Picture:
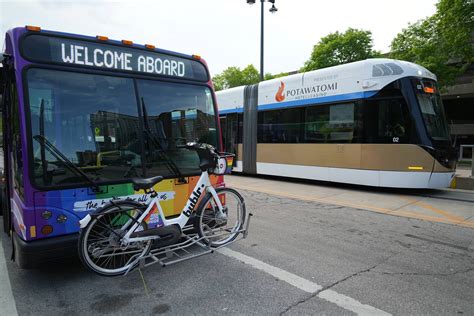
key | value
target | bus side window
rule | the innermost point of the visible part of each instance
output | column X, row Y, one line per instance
column 222, row 122
column 16, row 142
column 2, row 112
column 1, row 115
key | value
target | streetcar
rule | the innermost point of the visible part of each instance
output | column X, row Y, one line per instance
column 376, row 122
column 82, row 117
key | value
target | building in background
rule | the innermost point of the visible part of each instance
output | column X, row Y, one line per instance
column 459, row 106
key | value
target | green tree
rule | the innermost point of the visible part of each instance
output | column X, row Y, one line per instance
column 234, row 77
column 250, row 75
column 440, row 43
column 340, row 48
column 269, row 76
column 456, row 27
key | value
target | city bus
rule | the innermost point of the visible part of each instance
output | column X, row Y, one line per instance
column 84, row 115
column 377, row 122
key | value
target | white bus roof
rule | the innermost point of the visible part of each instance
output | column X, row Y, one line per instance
column 356, row 80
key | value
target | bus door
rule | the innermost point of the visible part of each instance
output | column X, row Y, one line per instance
column 6, row 90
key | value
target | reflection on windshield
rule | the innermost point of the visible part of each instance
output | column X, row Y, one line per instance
column 175, row 115
column 433, row 115
column 93, row 121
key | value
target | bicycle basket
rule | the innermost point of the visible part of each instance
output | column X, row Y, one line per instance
column 224, row 164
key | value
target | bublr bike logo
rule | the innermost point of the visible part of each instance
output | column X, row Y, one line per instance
column 193, row 200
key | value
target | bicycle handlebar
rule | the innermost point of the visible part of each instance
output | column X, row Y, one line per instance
column 195, row 146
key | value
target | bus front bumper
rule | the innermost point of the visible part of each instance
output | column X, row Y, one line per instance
column 33, row 254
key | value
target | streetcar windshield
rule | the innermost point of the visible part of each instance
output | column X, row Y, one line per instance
column 111, row 131
column 432, row 110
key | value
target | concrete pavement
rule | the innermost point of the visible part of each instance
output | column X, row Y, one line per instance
column 350, row 258
column 431, row 205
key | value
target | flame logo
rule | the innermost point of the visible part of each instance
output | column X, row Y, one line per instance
column 279, row 96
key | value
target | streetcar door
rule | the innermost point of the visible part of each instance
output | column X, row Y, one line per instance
column 229, row 126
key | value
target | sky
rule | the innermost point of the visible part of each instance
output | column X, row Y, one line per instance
column 224, row 32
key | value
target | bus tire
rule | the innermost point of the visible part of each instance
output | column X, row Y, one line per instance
column 2, row 198
column 5, row 211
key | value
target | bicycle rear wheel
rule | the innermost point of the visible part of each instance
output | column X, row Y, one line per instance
column 219, row 230
column 100, row 248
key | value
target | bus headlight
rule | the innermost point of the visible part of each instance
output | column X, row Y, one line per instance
column 46, row 215
column 61, row 219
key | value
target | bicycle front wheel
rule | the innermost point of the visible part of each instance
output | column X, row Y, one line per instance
column 218, row 228
column 100, row 248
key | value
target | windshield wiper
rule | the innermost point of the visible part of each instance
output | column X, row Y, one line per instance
column 169, row 163
column 68, row 163
column 44, row 162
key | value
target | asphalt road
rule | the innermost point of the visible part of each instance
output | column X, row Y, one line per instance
column 302, row 257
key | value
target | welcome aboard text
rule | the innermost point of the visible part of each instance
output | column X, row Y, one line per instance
column 83, row 55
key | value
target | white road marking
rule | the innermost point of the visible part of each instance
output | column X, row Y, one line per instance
column 340, row 300
column 7, row 302
column 349, row 303
column 283, row 275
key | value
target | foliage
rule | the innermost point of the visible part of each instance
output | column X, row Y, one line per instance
column 250, row 75
column 440, row 43
column 269, row 76
column 234, row 77
column 455, row 27
column 340, row 48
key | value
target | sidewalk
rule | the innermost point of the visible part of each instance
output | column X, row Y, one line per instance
column 403, row 203
column 463, row 179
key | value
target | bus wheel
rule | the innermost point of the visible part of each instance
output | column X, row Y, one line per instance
column 2, row 198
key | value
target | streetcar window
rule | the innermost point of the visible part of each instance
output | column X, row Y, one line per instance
column 432, row 109
column 327, row 123
column 229, row 127
column 240, row 118
column 387, row 121
column 330, row 123
column 280, row 126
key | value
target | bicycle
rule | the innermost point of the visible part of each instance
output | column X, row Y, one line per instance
column 115, row 237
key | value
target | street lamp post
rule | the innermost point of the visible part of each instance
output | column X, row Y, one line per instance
column 273, row 9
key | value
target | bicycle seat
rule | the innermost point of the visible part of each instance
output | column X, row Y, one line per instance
column 147, row 183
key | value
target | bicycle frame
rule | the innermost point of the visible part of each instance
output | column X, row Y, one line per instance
column 202, row 186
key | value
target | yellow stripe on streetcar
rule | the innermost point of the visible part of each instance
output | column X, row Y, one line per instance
column 415, row 168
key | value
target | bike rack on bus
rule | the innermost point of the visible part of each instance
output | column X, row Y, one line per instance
column 191, row 247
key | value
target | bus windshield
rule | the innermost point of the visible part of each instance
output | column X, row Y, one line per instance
column 114, row 128
column 432, row 110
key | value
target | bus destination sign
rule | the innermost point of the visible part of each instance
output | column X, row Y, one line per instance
column 60, row 50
